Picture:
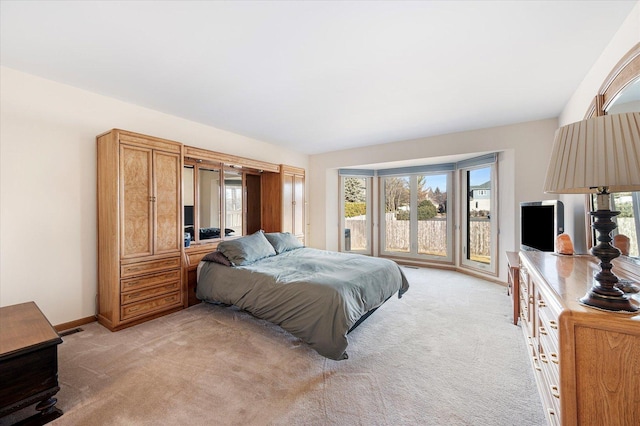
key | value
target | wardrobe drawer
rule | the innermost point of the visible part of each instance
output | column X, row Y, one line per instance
column 145, row 307
column 132, row 269
column 138, row 283
column 147, row 293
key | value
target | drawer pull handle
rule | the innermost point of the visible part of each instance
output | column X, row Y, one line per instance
column 134, row 308
column 554, row 357
column 541, row 304
column 555, row 391
column 544, row 359
column 543, row 331
column 535, row 364
column 553, row 324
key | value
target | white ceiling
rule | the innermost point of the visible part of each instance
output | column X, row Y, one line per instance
column 318, row 76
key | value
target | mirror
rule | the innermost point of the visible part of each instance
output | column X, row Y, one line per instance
column 627, row 203
column 217, row 198
column 621, row 93
column 628, row 100
column 233, row 202
column 188, row 194
column 222, row 196
column 208, row 203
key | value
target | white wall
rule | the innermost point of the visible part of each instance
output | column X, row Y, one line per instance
column 625, row 38
column 525, row 150
column 48, row 185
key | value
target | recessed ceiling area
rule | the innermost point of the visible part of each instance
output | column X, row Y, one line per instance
column 319, row 76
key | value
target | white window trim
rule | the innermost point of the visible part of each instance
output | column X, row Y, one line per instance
column 492, row 267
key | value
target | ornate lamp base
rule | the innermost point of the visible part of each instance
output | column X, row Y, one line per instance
column 604, row 294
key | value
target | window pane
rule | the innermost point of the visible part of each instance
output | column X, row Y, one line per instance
column 479, row 214
column 432, row 215
column 233, row 203
column 397, row 214
column 355, row 214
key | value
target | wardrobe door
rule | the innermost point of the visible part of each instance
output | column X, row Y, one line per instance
column 136, row 207
column 167, row 201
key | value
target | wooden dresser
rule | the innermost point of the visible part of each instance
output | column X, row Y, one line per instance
column 586, row 361
column 140, row 235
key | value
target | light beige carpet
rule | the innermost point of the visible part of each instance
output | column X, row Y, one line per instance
column 445, row 354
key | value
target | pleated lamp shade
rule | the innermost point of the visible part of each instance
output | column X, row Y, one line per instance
column 598, row 152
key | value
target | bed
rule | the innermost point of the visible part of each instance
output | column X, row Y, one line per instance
column 316, row 295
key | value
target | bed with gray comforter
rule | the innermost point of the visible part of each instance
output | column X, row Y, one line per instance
column 316, row 295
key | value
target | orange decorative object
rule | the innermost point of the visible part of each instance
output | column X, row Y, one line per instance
column 564, row 244
column 622, row 243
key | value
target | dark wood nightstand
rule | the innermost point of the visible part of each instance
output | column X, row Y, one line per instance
column 28, row 362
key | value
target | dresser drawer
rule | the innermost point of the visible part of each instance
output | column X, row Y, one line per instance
column 550, row 388
column 145, row 307
column 133, row 269
column 147, row 293
column 139, row 283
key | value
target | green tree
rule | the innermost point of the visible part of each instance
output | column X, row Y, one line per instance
column 354, row 190
column 625, row 209
column 426, row 210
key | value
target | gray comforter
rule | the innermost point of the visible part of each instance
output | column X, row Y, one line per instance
column 316, row 295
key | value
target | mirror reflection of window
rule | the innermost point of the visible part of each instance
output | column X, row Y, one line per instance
column 233, row 203
column 627, row 203
column 209, row 203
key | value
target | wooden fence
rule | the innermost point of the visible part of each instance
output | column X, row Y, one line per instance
column 432, row 235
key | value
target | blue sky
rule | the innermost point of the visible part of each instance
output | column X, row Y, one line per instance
column 478, row 176
column 437, row 181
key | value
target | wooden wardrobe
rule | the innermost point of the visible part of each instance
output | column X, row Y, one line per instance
column 139, row 228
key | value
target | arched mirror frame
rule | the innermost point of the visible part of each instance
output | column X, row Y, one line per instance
column 625, row 73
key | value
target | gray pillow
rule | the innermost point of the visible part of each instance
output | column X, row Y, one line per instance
column 217, row 257
column 246, row 250
column 283, row 241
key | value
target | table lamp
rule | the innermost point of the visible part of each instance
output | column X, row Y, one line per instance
column 600, row 155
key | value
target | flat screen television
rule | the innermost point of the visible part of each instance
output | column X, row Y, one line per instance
column 540, row 223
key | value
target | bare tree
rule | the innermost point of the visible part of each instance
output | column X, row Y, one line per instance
column 396, row 192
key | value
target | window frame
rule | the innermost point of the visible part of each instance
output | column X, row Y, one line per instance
column 413, row 253
column 492, row 267
column 368, row 213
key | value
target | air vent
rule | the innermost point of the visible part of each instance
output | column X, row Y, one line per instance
column 70, row 331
